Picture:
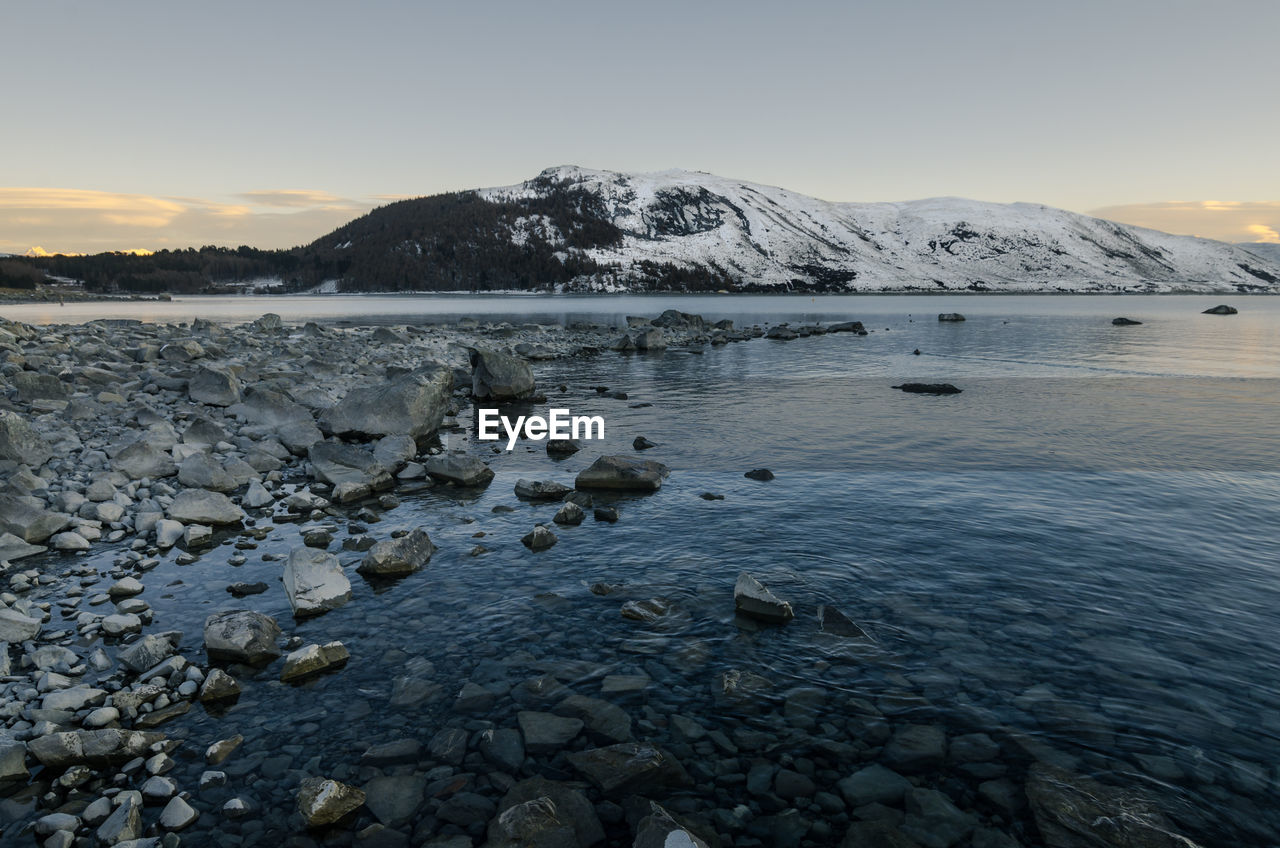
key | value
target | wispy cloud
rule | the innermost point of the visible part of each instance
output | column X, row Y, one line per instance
column 85, row 221
column 1226, row 220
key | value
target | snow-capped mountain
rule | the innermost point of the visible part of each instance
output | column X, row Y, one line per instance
column 575, row 228
column 1268, row 250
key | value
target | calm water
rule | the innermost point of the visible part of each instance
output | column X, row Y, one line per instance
column 1077, row 556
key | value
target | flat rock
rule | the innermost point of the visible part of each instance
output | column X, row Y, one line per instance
column 197, row 506
column 91, row 747
column 547, row 733
column 315, row 582
column 16, row 627
column 753, row 600
column 322, row 801
column 630, row 768
column 541, row 490
column 396, row 557
column 624, row 473
column 241, row 636
column 27, row 521
column 458, row 470
column 311, row 660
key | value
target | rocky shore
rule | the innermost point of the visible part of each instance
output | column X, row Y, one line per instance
column 157, row 441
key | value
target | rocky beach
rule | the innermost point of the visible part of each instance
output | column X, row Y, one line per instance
column 186, row 507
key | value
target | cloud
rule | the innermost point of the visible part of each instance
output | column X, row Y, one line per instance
column 84, row 221
column 1226, row 220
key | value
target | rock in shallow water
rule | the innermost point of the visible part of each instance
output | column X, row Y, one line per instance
column 311, row 660
column 539, row 538
column 315, row 582
column 497, row 376
column 458, row 470
column 396, row 557
column 241, row 636
column 322, row 801
column 621, row 472
column 753, row 600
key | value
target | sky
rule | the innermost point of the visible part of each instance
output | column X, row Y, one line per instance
column 144, row 125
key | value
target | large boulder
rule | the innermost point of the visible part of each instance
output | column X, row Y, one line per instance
column 674, row 319
column 323, row 802
column 214, row 386
column 315, row 582
column 497, row 376
column 141, row 459
column 202, row 471
column 621, row 472
column 459, row 470
column 23, row 518
column 11, row 548
column 241, row 636
column 91, row 747
column 412, row 404
column 336, row 462
column 272, row 409
column 32, row 386
column 16, row 627
column 197, row 506
column 395, row 557
column 1073, row 811
column 20, row 442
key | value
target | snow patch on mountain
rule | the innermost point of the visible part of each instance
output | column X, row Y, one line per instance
column 767, row 237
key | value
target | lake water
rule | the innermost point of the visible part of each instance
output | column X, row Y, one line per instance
column 1077, row 556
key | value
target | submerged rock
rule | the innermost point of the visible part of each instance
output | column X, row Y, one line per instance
column 1073, row 811
column 539, row 490
column 660, row 829
column 753, row 600
column 630, row 768
column 832, row 621
column 541, row 812
column 620, row 472
column 1125, row 322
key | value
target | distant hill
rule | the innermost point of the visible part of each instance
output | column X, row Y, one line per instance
column 572, row 228
column 1269, row 251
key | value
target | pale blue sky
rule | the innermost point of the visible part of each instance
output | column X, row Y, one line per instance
column 170, row 123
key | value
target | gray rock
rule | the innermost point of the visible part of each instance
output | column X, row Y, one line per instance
column 28, row 520
column 315, row 582
column 13, row 548
column 410, row 405
column 16, row 627
column 13, row 762
column 140, row 460
column 322, row 801
column 20, row 442
column 620, row 472
column 177, row 814
column 311, row 660
column 832, row 621
column 652, row 339
column 218, row 685
column 395, row 452
column 497, row 376
column 459, row 470
column 877, row 833
column 334, row 462
column 214, row 386
column 753, row 600
column 168, row 532
column 69, row 541
column 201, row 471
column 395, row 557
column 197, row 506
column 570, row 514
column 124, row 824
column 449, row 745
column 950, row 316
column 539, row 490
column 270, row 409
column 91, row 747
column 241, row 636
column 32, row 386
column 539, row 538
